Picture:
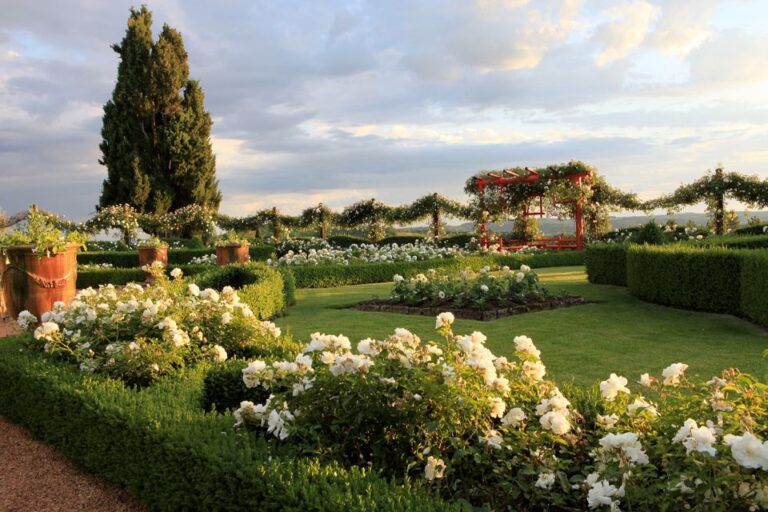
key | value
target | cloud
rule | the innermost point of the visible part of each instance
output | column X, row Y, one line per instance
column 628, row 29
column 731, row 56
column 339, row 101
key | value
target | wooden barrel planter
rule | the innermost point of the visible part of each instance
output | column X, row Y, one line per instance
column 34, row 283
column 232, row 253
column 149, row 255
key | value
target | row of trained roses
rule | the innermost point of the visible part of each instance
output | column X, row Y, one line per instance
column 494, row 431
column 467, row 288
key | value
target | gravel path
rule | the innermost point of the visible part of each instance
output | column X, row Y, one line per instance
column 35, row 477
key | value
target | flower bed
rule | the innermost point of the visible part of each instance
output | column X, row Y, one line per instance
column 138, row 334
column 479, row 295
column 493, row 431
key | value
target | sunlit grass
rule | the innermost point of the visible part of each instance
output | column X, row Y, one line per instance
column 617, row 333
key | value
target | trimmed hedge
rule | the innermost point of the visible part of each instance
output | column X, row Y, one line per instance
column 259, row 286
column 223, row 387
column 606, row 264
column 327, row 276
column 401, row 239
column 752, row 230
column 754, row 285
column 120, row 276
column 130, row 259
column 164, row 449
column 345, row 241
column 734, row 241
column 686, row 277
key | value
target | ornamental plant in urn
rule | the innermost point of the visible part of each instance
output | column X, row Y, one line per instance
column 153, row 250
column 232, row 249
column 39, row 265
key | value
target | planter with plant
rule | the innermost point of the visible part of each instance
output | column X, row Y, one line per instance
column 39, row 265
column 152, row 250
column 232, row 249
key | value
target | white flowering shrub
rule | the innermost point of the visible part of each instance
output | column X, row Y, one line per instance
column 205, row 259
column 469, row 289
column 493, row 431
column 366, row 253
column 138, row 333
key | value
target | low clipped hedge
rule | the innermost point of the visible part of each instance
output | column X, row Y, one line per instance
column 345, row 241
column 606, row 264
column 223, row 387
column 167, row 451
column 686, row 277
column 259, row 286
column 121, row 276
column 401, row 239
column 754, row 285
column 758, row 241
column 327, row 276
column 130, row 259
column 752, row 230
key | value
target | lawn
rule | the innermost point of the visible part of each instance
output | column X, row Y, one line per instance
column 617, row 333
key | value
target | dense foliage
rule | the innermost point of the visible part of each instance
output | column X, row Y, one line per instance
column 156, row 142
column 43, row 236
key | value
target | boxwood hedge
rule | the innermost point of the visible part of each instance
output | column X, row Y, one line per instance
column 686, row 277
column 606, row 264
column 130, row 259
column 326, row 276
column 259, row 286
column 754, row 285
column 167, row 451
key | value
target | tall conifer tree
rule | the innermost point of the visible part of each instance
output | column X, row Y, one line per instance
column 156, row 133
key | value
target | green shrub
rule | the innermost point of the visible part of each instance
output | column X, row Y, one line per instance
column 120, row 276
column 189, row 460
column 223, row 386
column 130, row 259
column 686, row 277
column 346, row 240
column 607, row 264
column 650, row 233
column 754, row 285
column 186, row 243
column 752, row 230
column 289, row 285
column 401, row 239
column 735, row 241
column 259, row 286
column 459, row 240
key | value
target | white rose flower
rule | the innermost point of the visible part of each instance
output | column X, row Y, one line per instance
column 545, row 480
column 219, row 354
column 645, row 380
column 497, row 407
column 611, row 388
column 514, row 418
column 748, row 450
column 444, row 319
column 673, row 373
column 434, row 469
column 176, row 273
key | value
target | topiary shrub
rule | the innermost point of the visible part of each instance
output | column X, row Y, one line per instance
column 607, row 264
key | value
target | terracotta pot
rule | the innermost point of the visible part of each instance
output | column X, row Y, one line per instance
column 148, row 255
column 232, row 253
column 34, row 283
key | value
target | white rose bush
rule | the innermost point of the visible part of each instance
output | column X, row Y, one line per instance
column 469, row 289
column 493, row 431
column 321, row 253
column 140, row 333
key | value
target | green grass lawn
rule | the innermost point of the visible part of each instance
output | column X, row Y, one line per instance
column 584, row 343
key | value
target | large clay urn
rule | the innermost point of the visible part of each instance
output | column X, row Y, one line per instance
column 149, row 255
column 232, row 253
column 35, row 283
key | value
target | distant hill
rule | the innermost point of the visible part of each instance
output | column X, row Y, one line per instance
column 554, row 226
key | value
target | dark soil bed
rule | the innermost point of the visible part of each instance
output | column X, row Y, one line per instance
column 491, row 312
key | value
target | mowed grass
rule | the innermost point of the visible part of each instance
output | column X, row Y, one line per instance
column 583, row 344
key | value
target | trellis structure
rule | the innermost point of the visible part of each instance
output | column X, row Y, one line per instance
column 507, row 178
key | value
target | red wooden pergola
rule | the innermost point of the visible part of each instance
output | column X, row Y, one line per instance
column 507, row 178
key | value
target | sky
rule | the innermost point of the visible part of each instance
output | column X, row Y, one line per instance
column 339, row 101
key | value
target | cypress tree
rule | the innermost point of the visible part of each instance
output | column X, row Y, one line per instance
column 156, row 133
